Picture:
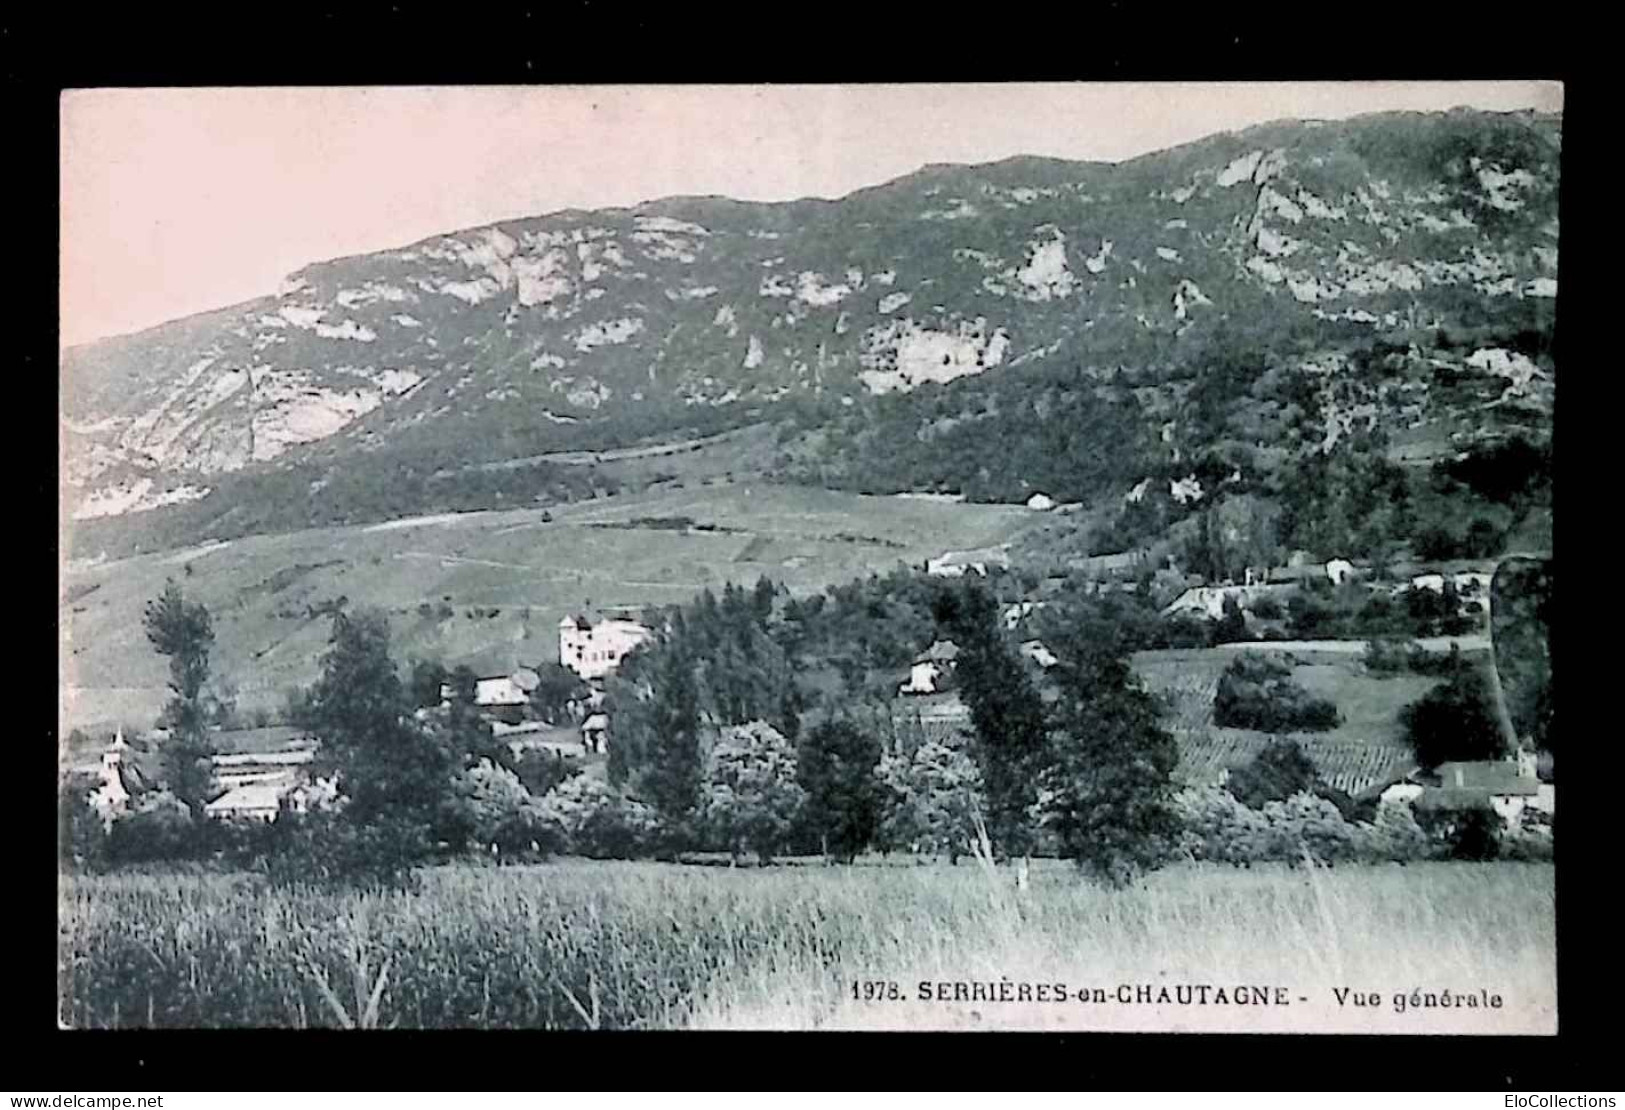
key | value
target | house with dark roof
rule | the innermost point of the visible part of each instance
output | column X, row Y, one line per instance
column 1508, row 786
column 1116, row 564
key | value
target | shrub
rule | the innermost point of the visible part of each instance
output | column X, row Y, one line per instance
column 323, row 849
column 504, row 815
column 1219, row 828
column 541, row 770
column 1216, row 827
column 836, row 768
column 1395, row 835
column 1267, row 608
column 1387, row 657
column 1257, row 692
column 751, row 797
column 1306, row 823
column 932, row 797
column 1276, row 773
column 1471, row 833
column 81, row 837
column 1308, row 617
column 159, row 827
column 1453, row 721
column 596, row 820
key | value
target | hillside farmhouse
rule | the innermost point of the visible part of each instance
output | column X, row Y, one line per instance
column 255, row 778
column 1015, row 613
column 954, row 564
column 254, row 771
column 593, row 649
column 1208, row 602
column 1472, row 587
column 1038, row 653
column 1509, row 786
column 1118, row 564
column 595, row 733
column 497, row 692
column 930, row 668
column 1340, row 571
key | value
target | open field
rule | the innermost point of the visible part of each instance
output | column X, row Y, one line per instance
column 486, row 589
column 576, row 944
column 1366, row 749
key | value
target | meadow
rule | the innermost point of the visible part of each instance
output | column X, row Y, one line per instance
column 486, row 589
column 618, row 945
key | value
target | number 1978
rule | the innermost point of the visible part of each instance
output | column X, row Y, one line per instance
column 876, row 990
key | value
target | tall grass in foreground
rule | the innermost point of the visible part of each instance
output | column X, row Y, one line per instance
column 579, row 944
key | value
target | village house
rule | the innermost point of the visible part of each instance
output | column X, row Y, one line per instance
column 1472, row 587
column 595, row 733
column 1511, row 787
column 593, row 649
column 1208, row 602
column 1015, row 613
column 256, row 769
column 1117, row 565
column 1507, row 785
column 503, row 691
column 954, row 564
column 930, row 668
column 1038, row 653
column 1041, row 502
column 261, row 801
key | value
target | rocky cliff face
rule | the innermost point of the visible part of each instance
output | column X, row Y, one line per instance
column 581, row 329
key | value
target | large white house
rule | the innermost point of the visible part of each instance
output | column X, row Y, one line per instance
column 594, row 649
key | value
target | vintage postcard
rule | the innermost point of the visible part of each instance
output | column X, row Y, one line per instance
column 929, row 557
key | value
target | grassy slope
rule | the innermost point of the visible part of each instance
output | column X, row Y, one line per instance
column 259, row 589
column 651, row 945
column 1362, row 749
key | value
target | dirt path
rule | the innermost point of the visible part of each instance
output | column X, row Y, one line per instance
column 1357, row 647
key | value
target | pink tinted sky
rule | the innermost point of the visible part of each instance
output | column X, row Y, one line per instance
column 175, row 201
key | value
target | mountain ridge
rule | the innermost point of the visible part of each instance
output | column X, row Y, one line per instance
column 1296, row 242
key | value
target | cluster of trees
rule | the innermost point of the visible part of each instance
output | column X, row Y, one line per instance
column 994, row 438
column 1319, row 611
column 1277, row 806
column 1216, row 826
column 758, row 722
column 710, row 731
column 1258, row 692
column 1456, row 720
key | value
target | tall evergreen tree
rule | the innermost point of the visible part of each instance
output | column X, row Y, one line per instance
column 672, row 774
column 836, row 766
column 395, row 773
column 1011, row 730
column 183, row 631
column 1108, row 791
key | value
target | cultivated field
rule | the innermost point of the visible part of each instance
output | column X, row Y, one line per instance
column 1367, row 747
column 486, row 589
column 576, row 944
